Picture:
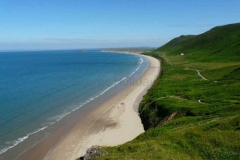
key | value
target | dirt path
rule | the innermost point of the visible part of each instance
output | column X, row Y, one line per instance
column 201, row 75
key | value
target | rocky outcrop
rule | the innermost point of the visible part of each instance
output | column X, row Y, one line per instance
column 93, row 152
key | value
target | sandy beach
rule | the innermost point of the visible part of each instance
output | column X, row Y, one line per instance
column 113, row 123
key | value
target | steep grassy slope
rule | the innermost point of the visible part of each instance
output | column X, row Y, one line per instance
column 218, row 44
column 193, row 109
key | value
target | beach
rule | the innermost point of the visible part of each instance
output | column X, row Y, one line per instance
column 114, row 122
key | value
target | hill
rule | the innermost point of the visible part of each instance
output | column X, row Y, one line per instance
column 193, row 109
column 221, row 43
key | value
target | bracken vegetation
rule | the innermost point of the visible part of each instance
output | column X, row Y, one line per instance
column 185, row 116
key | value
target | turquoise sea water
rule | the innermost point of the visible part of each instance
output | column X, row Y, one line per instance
column 39, row 88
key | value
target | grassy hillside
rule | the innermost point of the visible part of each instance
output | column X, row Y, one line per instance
column 193, row 109
column 218, row 44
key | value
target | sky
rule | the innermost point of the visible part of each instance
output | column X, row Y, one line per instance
column 76, row 24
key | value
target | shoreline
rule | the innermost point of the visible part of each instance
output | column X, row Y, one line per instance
column 124, row 52
column 104, row 125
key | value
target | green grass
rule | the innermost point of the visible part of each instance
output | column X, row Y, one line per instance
column 220, row 44
column 206, row 130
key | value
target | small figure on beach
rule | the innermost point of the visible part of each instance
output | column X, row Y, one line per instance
column 120, row 104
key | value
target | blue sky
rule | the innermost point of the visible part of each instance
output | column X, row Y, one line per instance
column 72, row 24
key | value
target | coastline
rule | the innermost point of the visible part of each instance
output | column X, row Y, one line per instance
column 124, row 52
column 111, row 123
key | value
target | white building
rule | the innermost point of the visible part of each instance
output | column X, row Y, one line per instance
column 182, row 54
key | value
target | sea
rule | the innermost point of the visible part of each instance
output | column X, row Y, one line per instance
column 39, row 88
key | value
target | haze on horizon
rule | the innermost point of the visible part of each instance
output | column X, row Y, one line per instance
column 74, row 24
